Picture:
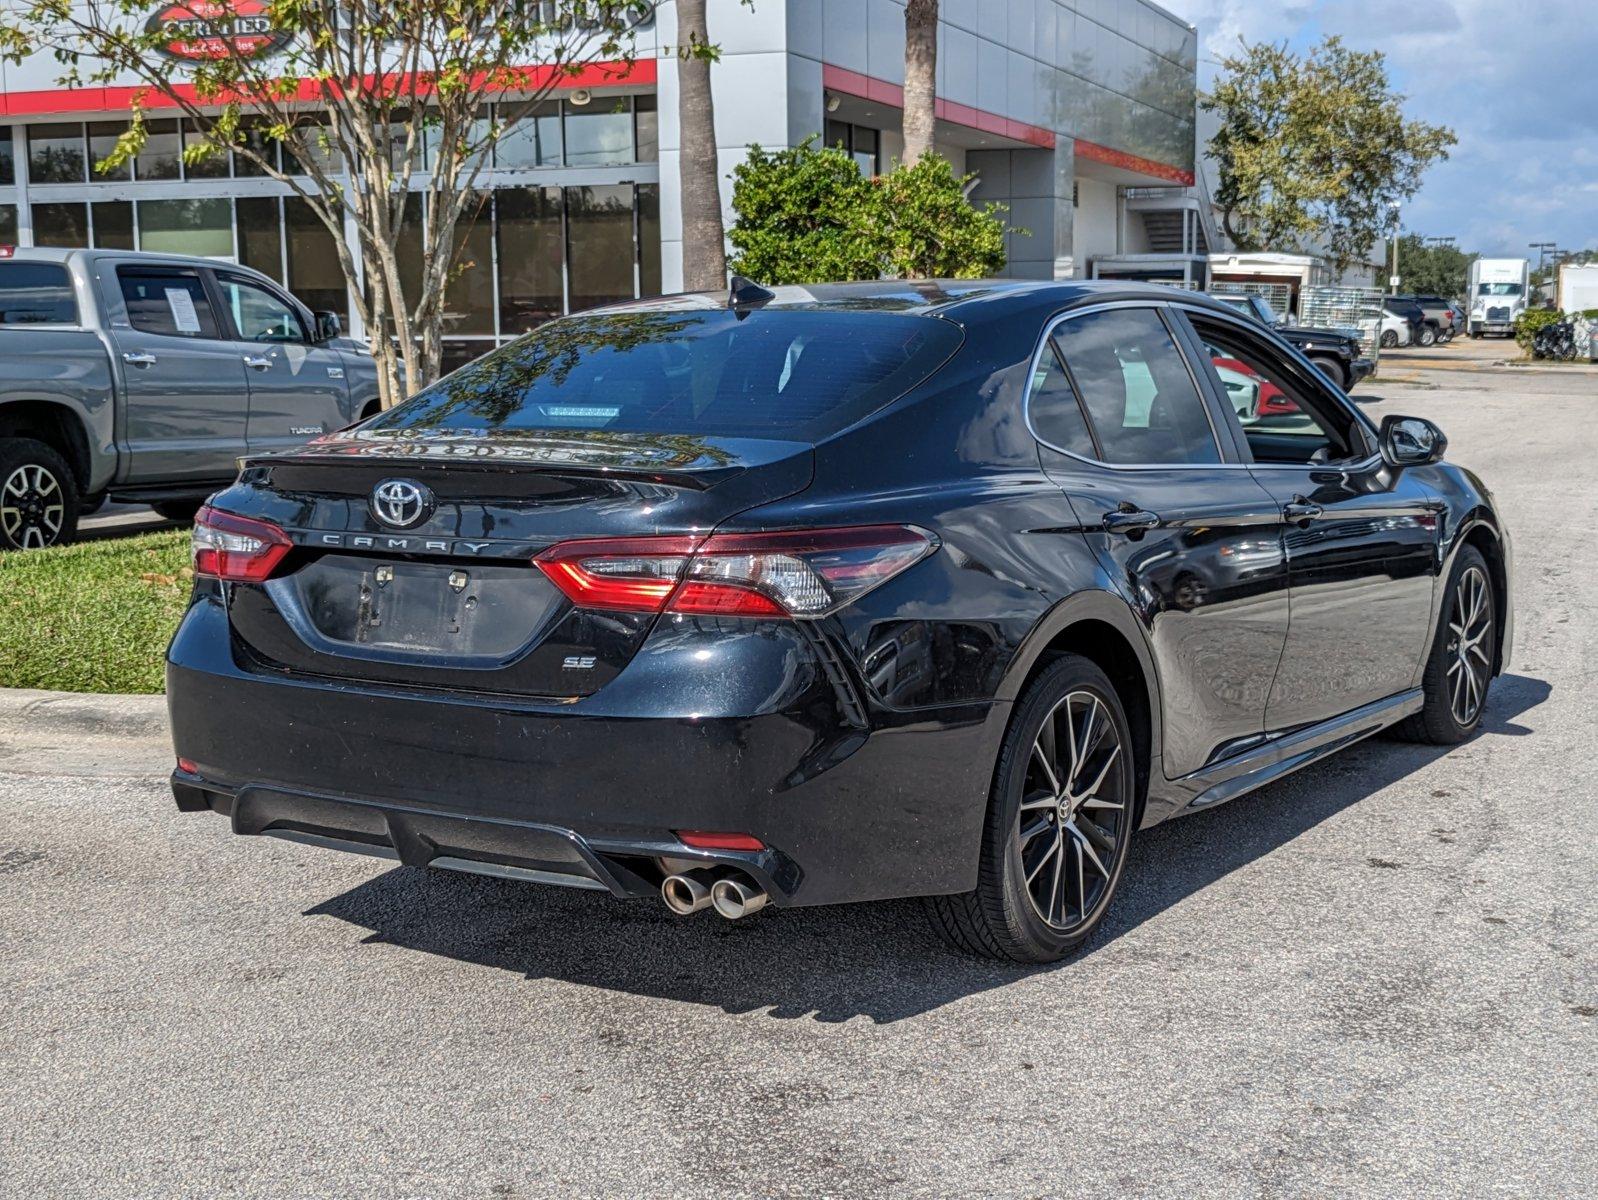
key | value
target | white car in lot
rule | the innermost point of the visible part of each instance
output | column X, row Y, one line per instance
column 1395, row 329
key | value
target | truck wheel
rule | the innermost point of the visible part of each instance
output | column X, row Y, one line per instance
column 178, row 510
column 38, row 496
column 1332, row 369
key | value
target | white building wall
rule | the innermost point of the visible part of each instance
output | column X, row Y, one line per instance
column 1095, row 225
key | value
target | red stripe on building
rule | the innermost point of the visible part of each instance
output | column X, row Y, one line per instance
column 880, row 91
column 114, row 99
column 1132, row 162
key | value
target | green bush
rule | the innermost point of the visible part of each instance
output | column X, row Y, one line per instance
column 1529, row 322
column 807, row 215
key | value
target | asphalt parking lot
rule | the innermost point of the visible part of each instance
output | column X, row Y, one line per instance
column 1379, row 977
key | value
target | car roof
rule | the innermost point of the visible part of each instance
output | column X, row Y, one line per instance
column 63, row 254
column 956, row 299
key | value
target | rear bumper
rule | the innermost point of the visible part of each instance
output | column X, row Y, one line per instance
column 752, row 737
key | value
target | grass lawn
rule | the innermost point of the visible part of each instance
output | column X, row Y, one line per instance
column 95, row 617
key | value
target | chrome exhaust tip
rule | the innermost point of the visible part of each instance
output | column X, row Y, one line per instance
column 734, row 899
column 684, row 894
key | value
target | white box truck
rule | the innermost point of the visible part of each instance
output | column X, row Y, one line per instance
column 1499, row 290
column 1578, row 287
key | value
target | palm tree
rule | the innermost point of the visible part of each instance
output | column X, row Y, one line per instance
column 704, row 254
column 920, row 76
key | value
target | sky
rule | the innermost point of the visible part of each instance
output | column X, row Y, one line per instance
column 1516, row 80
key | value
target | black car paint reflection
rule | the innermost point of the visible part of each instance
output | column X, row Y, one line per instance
column 861, row 744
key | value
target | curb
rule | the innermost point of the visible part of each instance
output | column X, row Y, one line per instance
column 82, row 735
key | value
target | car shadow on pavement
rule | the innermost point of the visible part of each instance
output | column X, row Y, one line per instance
column 881, row 961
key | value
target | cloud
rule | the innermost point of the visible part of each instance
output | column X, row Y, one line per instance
column 1517, row 83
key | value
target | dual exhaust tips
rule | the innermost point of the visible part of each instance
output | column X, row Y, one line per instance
column 690, row 891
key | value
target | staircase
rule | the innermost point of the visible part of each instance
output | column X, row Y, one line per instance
column 1164, row 230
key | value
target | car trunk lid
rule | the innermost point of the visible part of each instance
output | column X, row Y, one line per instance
column 451, row 598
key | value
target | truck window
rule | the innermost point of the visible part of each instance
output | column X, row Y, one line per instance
column 36, row 294
column 257, row 314
column 168, row 302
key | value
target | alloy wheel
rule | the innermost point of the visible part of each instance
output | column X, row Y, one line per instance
column 1470, row 628
column 1074, row 811
column 32, row 507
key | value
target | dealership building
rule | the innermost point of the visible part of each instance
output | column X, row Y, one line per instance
column 1078, row 114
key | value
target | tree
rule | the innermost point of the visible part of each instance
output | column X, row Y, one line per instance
column 920, row 76
column 1314, row 149
column 1432, row 270
column 366, row 99
column 929, row 228
column 799, row 217
column 808, row 216
column 704, row 253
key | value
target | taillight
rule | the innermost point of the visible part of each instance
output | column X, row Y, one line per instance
column 237, row 549
column 805, row 573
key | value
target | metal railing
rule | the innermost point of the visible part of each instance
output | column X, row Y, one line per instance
column 1354, row 308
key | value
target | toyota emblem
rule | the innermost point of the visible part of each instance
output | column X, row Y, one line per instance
column 401, row 503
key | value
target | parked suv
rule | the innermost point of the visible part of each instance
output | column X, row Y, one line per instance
column 1442, row 318
column 145, row 377
column 832, row 593
column 1334, row 351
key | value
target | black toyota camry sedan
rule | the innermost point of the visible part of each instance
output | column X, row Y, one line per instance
column 833, row 593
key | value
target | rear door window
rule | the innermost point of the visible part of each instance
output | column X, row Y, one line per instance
column 36, row 294
column 801, row 374
column 168, row 302
column 1140, row 396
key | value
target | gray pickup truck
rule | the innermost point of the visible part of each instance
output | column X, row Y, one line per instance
column 143, row 377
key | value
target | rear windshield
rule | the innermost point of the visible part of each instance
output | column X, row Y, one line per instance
column 36, row 294
column 794, row 374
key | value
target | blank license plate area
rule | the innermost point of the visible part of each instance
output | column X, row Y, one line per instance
column 486, row 611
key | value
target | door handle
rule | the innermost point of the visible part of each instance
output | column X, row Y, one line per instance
column 138, row 358
column 1301, row 511
column 1132, row 521
column 259, row 361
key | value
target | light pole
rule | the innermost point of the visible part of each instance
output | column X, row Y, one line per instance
column 1542, row 249
column 1392, row 279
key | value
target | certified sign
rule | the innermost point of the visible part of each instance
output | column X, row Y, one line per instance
column 208, row 29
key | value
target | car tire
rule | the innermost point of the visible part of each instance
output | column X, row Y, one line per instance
column 1445, row 721
column 1390, row 338
column 1332, row 369
column 1427, row 335
column 1067, row 827
column 178, row 510
column 38, row 496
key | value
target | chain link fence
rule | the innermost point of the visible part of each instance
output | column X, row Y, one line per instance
column 1357, row 309
column 1278, row 295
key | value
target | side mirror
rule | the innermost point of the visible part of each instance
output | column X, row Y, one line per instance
column 328, row 326
column 1411, row 441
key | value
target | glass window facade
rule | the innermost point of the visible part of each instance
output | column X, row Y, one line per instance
column 313, row 271
column 600, row 132
column 161, row 156
column 203, row 227
column 103, row 137
column 599, row 245
column 61, row 224
column 113, row 224
column 260, row 226
column 55, row 153
column 531, row 290
column 529, row 250
column 532, row 140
